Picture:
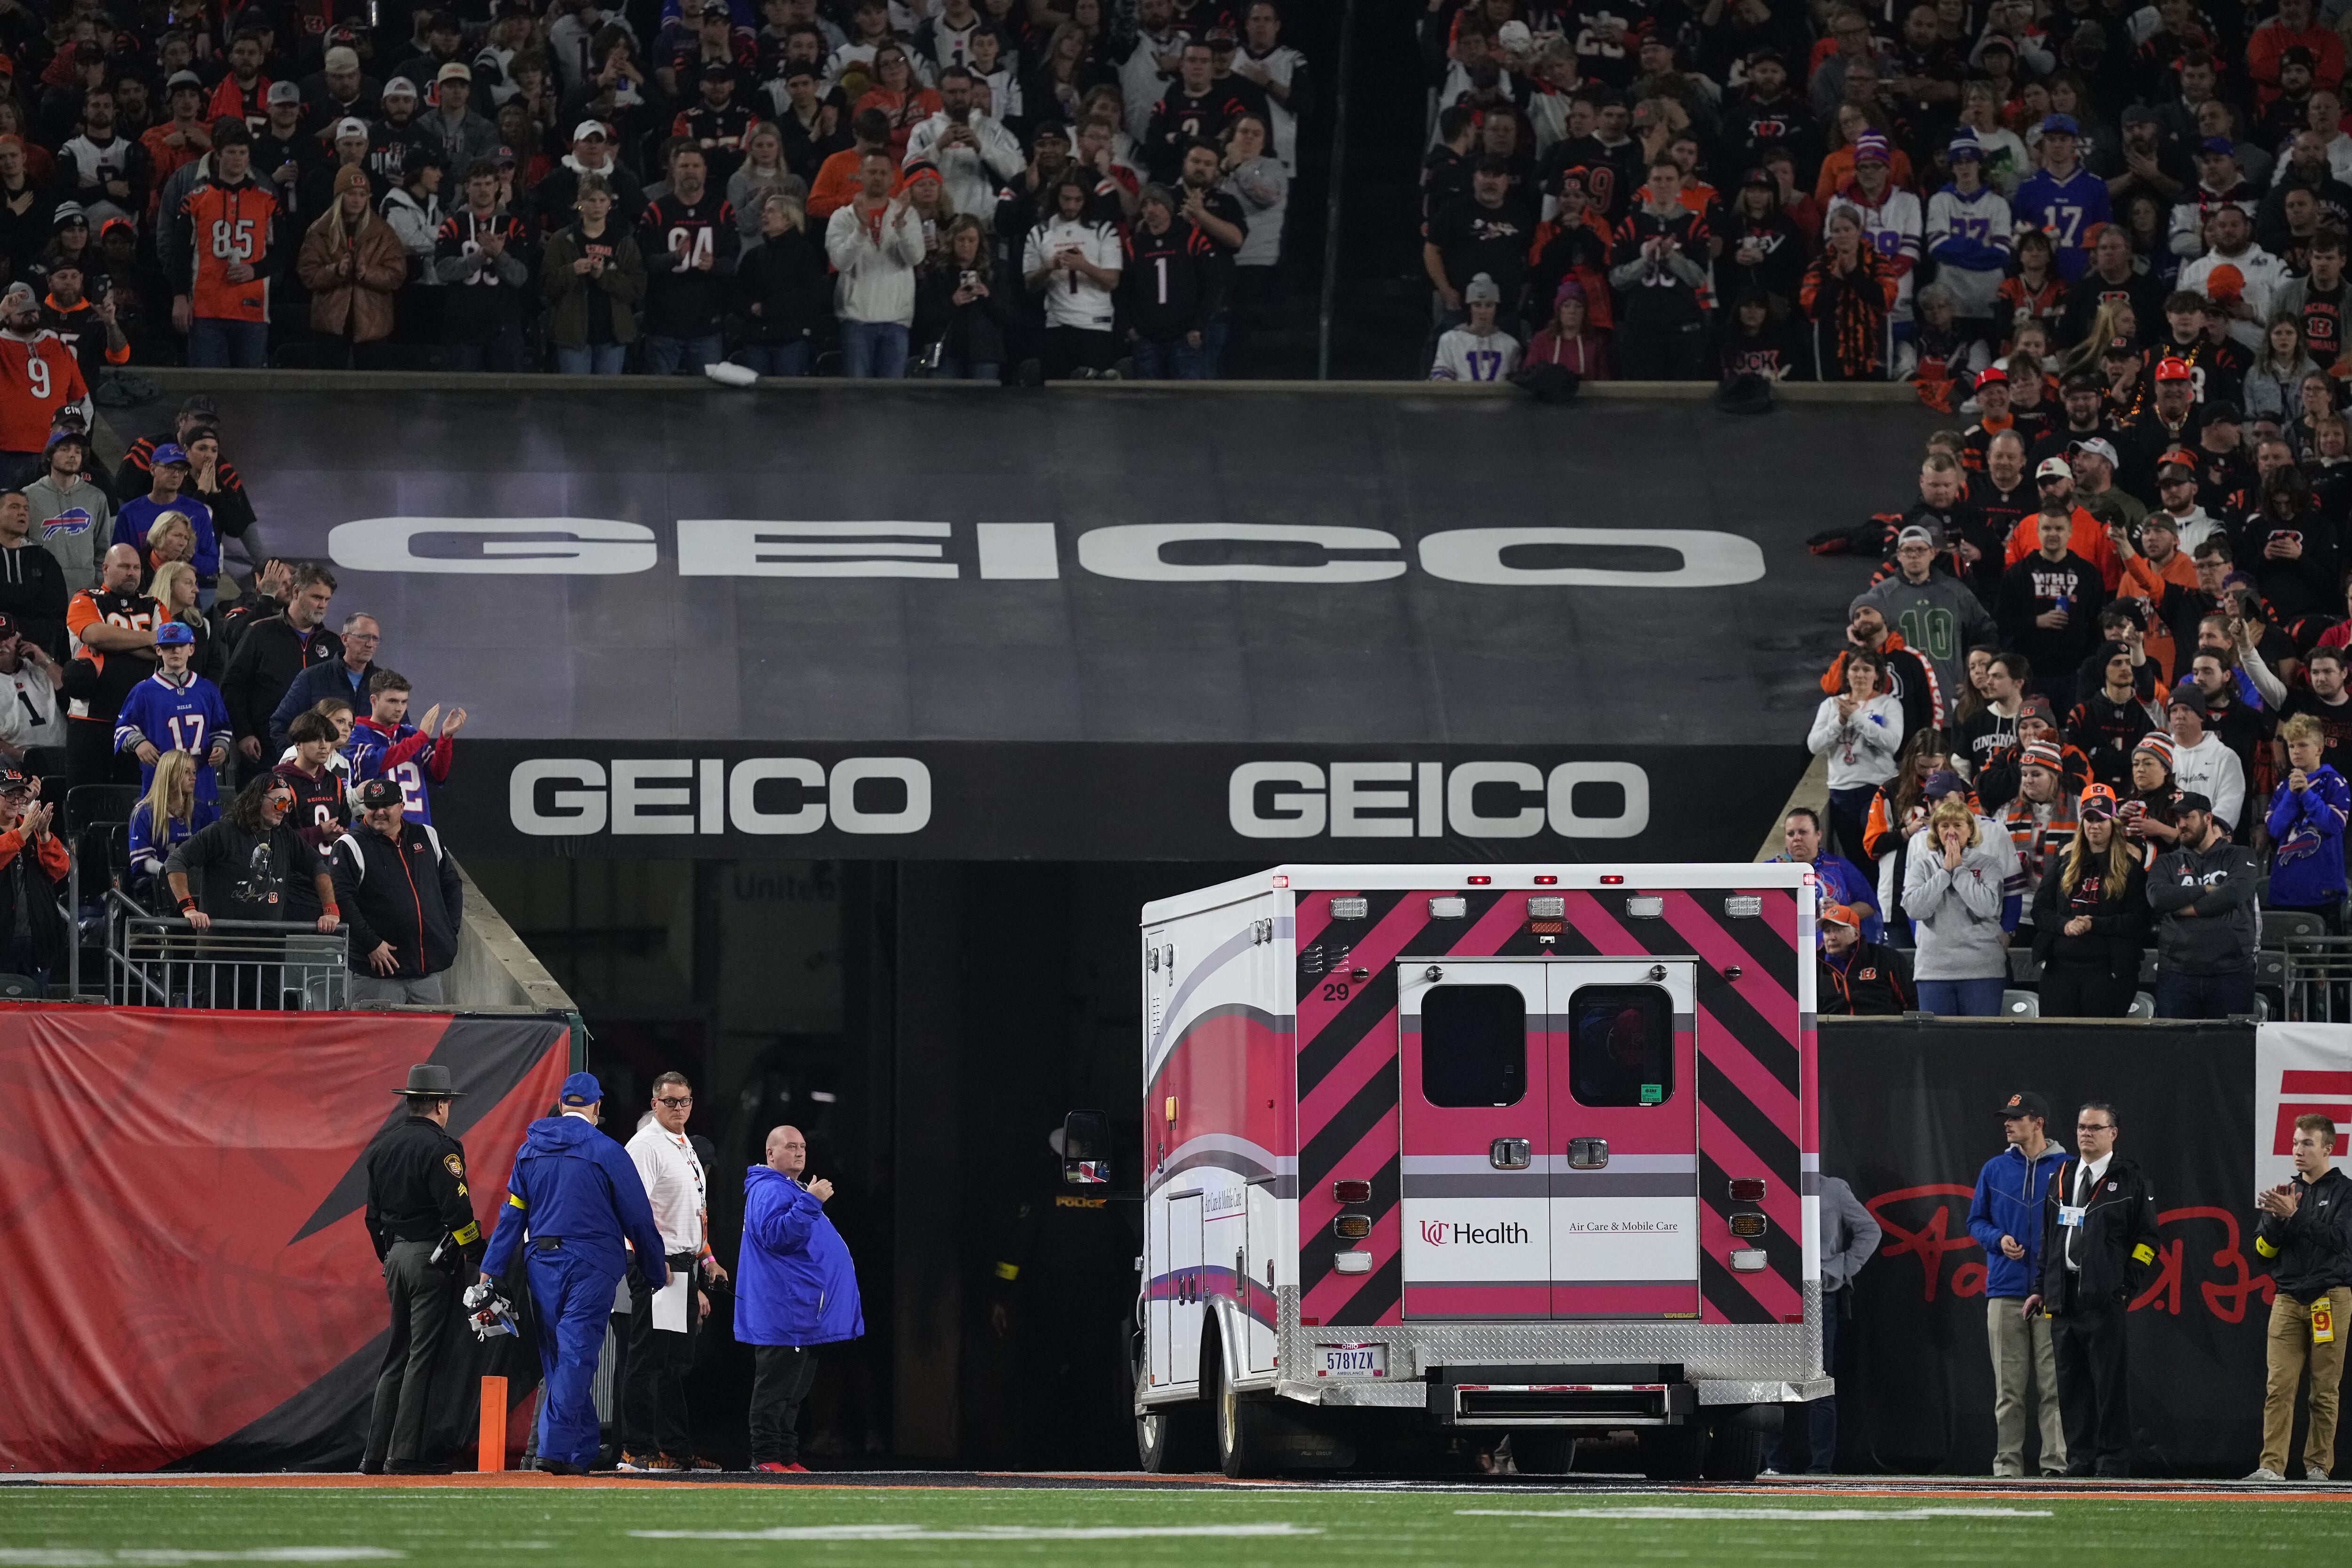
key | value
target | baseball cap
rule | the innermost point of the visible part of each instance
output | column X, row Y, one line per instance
column 285, row 92
column 2043, row 754
column 168, row 452
column 8, row 628
column 172, row 633
column 1944, row 782
column 2098, row 801
column 2217, row 147
column 185, row 79
column 351, row 126
column 2297, row 55
column 1992, row 376
column 12, row 781
column 1758, row 179
column 1512, row 35
column 588, row 128
column 2171, row 368
column 505, row 156
column 2027, row 1103
column 2098, row 447
column 1223, row 37
column 2221, row 411
column 2139, row 114
column 1839, row 915
column 580, row 1088
column 2189, row 800
column 19, row 296
column 1482, row 287
column 400, row 87
column 2225, row 282
column 60, row 437
column 717, row 70
column 2053, row 468
column 341, row 57
column 1870, row 147
column 378, row 793
column 455, row 70
column 2060, row 125
column 1915, row 534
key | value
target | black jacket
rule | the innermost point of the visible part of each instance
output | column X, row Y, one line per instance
column 268, row 656
column 2117, row 1245
column 791, row 281
column 2119, row 925
column 417, row 1191
column 405, row 893
column 2310, row 1253
column 33, row 593
column 1877, row 981
column 974, row 332
column 1173, row 281
column 2222, row 883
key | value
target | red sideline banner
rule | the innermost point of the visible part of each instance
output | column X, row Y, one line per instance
column 181, row 1199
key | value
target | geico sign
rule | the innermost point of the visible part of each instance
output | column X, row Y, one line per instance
column 1031, row 552
column 1427, row 800
column 555, row 797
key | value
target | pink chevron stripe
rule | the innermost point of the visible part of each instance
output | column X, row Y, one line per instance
column 1709, row 941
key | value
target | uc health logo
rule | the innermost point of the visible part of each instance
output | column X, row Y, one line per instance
column 1446, row 1233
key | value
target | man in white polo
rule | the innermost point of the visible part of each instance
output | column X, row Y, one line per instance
column 655, row 1433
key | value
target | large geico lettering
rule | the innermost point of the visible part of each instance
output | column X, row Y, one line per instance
column 551, row 797
column 1031, row 552
column 1427, row 800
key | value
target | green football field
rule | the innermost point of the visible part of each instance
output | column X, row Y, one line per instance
column 584, row 1525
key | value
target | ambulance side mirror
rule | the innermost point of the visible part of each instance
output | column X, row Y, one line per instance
column 1085, row 1148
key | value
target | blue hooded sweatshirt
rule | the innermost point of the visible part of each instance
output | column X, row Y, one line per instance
column 573, row 1182
column 2307, row 838
column 794, row 1282
column 2008, row 1202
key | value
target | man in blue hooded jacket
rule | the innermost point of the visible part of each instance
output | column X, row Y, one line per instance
column 795, row 1288
column 580, row 1197
column 2005, row 1217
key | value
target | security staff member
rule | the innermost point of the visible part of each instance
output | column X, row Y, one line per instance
column 655, row 1430
column 2305, row 1236
column 2098, row 1238
column 421, row 1222
column 580, row 1198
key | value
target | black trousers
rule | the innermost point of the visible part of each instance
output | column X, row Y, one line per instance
column 2070, row 992
column 2093, row 1388
column 421, row 1295
column 654, row 1417
column 91, row 756
column 781, row 1380
column 1066, row 349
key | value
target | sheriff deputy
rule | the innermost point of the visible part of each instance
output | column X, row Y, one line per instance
column 420, row 1220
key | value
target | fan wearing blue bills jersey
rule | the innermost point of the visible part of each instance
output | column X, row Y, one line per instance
column 174, row 711
column 385, row 745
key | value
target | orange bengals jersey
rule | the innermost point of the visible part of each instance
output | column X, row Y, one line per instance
column 37, row 374
column 228, row 224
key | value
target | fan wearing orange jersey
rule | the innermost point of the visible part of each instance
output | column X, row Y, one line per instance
column 38, row 376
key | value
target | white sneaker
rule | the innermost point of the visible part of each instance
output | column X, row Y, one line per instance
column 1768, row 1474
column 2315, row 1473
column 2266, row 1474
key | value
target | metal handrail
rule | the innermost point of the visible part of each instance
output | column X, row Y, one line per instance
column 164, row 961
column 1332, row 205
column 2318, row 979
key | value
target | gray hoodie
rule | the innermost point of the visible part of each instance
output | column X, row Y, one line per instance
column 1958, row 912
column 2222, row 883
column 71, row 525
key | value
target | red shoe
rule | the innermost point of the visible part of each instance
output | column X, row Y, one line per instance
column 796, row 1469
column 770, row 1466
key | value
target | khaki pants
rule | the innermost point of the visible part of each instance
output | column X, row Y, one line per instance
column 2023, row 1366
column 2290, row 1348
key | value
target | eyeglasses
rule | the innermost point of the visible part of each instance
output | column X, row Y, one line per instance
column 673, row 1102
column 2093, row 1127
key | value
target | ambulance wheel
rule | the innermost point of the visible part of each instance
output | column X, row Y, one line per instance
column 1241, row 1444
column 1172, row 1438
column 1672, row 1453
column 1543, row 1453
column 1735, row 1452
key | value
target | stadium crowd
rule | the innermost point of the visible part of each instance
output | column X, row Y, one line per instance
column 1892, row 190
column 278, row 773
column 968, row 186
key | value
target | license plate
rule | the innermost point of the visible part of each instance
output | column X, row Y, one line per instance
column 1351, row 1361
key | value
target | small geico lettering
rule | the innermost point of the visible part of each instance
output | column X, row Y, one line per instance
column 1428, row 800
column 1308, row 553
column 556, row 797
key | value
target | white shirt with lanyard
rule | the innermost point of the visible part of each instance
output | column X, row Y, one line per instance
column 2087, row 1177
column 675, row 1188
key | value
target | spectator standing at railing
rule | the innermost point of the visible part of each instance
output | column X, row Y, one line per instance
column 1659, row 265
column 1859, row 730
column 322, row 808
column 32, row 867
column 2203, row 891
column 2090, row 917
column 404, row 898
column 164, row 818
column 254, row 865
column 1953, row 890
column 2306, row 820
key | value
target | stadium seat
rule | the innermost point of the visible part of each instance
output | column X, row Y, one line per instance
column 98, row 802
column 2020, row 1005
column 20, row 987
column 2283, row 926
column 2143, row 1005
column 2024, row 969
column 2147, row 967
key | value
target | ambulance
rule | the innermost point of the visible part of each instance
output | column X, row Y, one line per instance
column 1436, row 1156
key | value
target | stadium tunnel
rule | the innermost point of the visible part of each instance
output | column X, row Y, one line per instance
column 833, row 770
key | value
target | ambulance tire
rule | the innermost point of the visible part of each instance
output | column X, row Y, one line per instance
column 1735, row 1452
column 1543, row 1453
column 1173, row 1439
column 1673, row 1453
column 1240, row 1426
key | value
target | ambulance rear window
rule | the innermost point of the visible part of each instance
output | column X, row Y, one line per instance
column 1474, row 1045
column 1621, row 1045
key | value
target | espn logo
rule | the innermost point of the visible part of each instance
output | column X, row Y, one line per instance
column 2307, row 1093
